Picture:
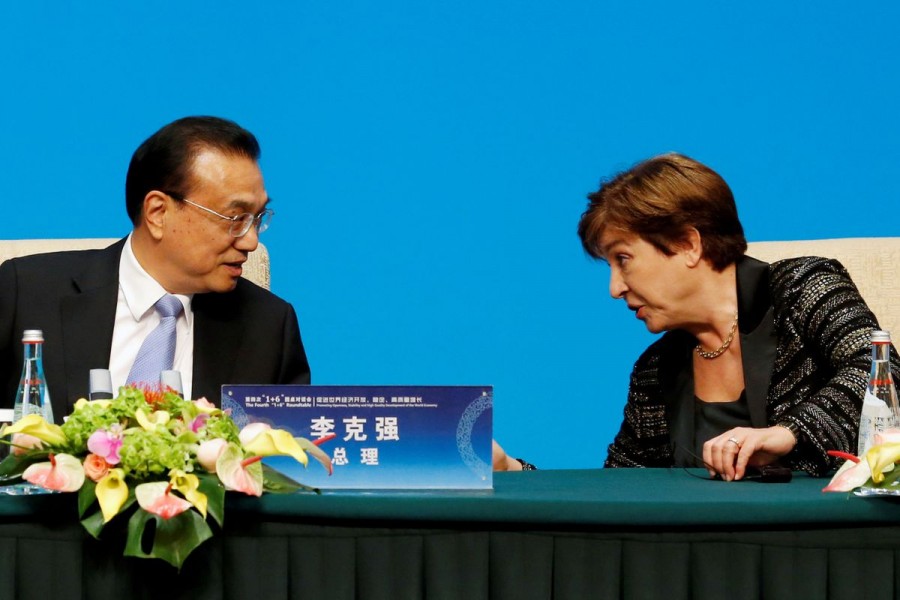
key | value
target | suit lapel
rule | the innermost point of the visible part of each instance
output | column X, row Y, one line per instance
column 758, row 339
column 217, row 335
column 677, row 382
column 88, row 317
column 758, row 358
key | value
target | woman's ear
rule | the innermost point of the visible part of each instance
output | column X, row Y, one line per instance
column 692, row 247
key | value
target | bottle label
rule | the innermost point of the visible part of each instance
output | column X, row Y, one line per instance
column 876, row 417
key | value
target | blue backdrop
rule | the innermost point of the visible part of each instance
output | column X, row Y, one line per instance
column 429, row 161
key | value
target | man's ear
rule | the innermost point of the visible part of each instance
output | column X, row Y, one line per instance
column 692, row 247
column 156, row 206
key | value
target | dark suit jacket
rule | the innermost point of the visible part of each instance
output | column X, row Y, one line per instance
column 248, row 335
column 805, row 339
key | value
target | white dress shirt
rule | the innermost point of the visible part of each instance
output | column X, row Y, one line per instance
column 136, row 318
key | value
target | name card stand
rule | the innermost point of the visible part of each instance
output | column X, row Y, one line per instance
column 386, row 437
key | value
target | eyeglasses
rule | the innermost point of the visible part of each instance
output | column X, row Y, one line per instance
column 240, row 224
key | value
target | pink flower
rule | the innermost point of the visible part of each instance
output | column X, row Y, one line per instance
column 95, row 467
column 209, row 452
column 106, row 443
column 200, row 422
column 63, row 473
column 852, row 474
column 888, row 436
column 249, row 432
column 156, row 498
column 204, row 405
column 22, row 443
column 238, row 473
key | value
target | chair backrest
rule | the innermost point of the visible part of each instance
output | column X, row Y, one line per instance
column 256, row 269
column 873, row 263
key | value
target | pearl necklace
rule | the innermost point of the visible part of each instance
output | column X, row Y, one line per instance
column 718, row 351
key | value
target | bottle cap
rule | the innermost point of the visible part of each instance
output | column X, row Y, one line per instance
column 171, row 380
column 100, row 383
column 881, row 337
column 32, row 336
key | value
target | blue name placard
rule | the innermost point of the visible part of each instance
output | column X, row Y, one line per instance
column 385, row 437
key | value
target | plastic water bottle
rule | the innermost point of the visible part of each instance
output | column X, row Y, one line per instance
column 881, row 408
column 33, row 397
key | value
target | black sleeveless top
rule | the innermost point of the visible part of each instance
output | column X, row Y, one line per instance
column 710, row 420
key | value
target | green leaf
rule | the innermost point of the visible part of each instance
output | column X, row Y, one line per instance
column 215, row 496
column 12, row 467
column 276, row 482
column 890, row 478
column 172, row 540
column 87, row 496
column 94, row 522
column 187, row 437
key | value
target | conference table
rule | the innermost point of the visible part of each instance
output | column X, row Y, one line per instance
column 556, row 534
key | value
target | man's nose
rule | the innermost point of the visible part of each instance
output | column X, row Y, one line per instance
column 249, row 241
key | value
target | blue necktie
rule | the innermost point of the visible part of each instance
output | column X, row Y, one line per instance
column 157, row 353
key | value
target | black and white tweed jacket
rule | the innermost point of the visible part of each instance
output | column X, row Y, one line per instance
column 805, row 335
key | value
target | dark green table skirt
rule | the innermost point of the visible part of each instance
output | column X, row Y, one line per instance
column 547, row 534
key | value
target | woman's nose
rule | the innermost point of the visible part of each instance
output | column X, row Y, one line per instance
column 617, row 287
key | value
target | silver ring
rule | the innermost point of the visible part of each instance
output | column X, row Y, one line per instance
column 734, row 441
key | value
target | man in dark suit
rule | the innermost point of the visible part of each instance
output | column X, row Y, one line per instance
column 196, row 197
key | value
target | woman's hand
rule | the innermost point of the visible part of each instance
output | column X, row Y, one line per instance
column 729, row 454
column 502, row 462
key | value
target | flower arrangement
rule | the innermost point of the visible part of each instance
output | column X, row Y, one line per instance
column 156, row 456
column 874, row 472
